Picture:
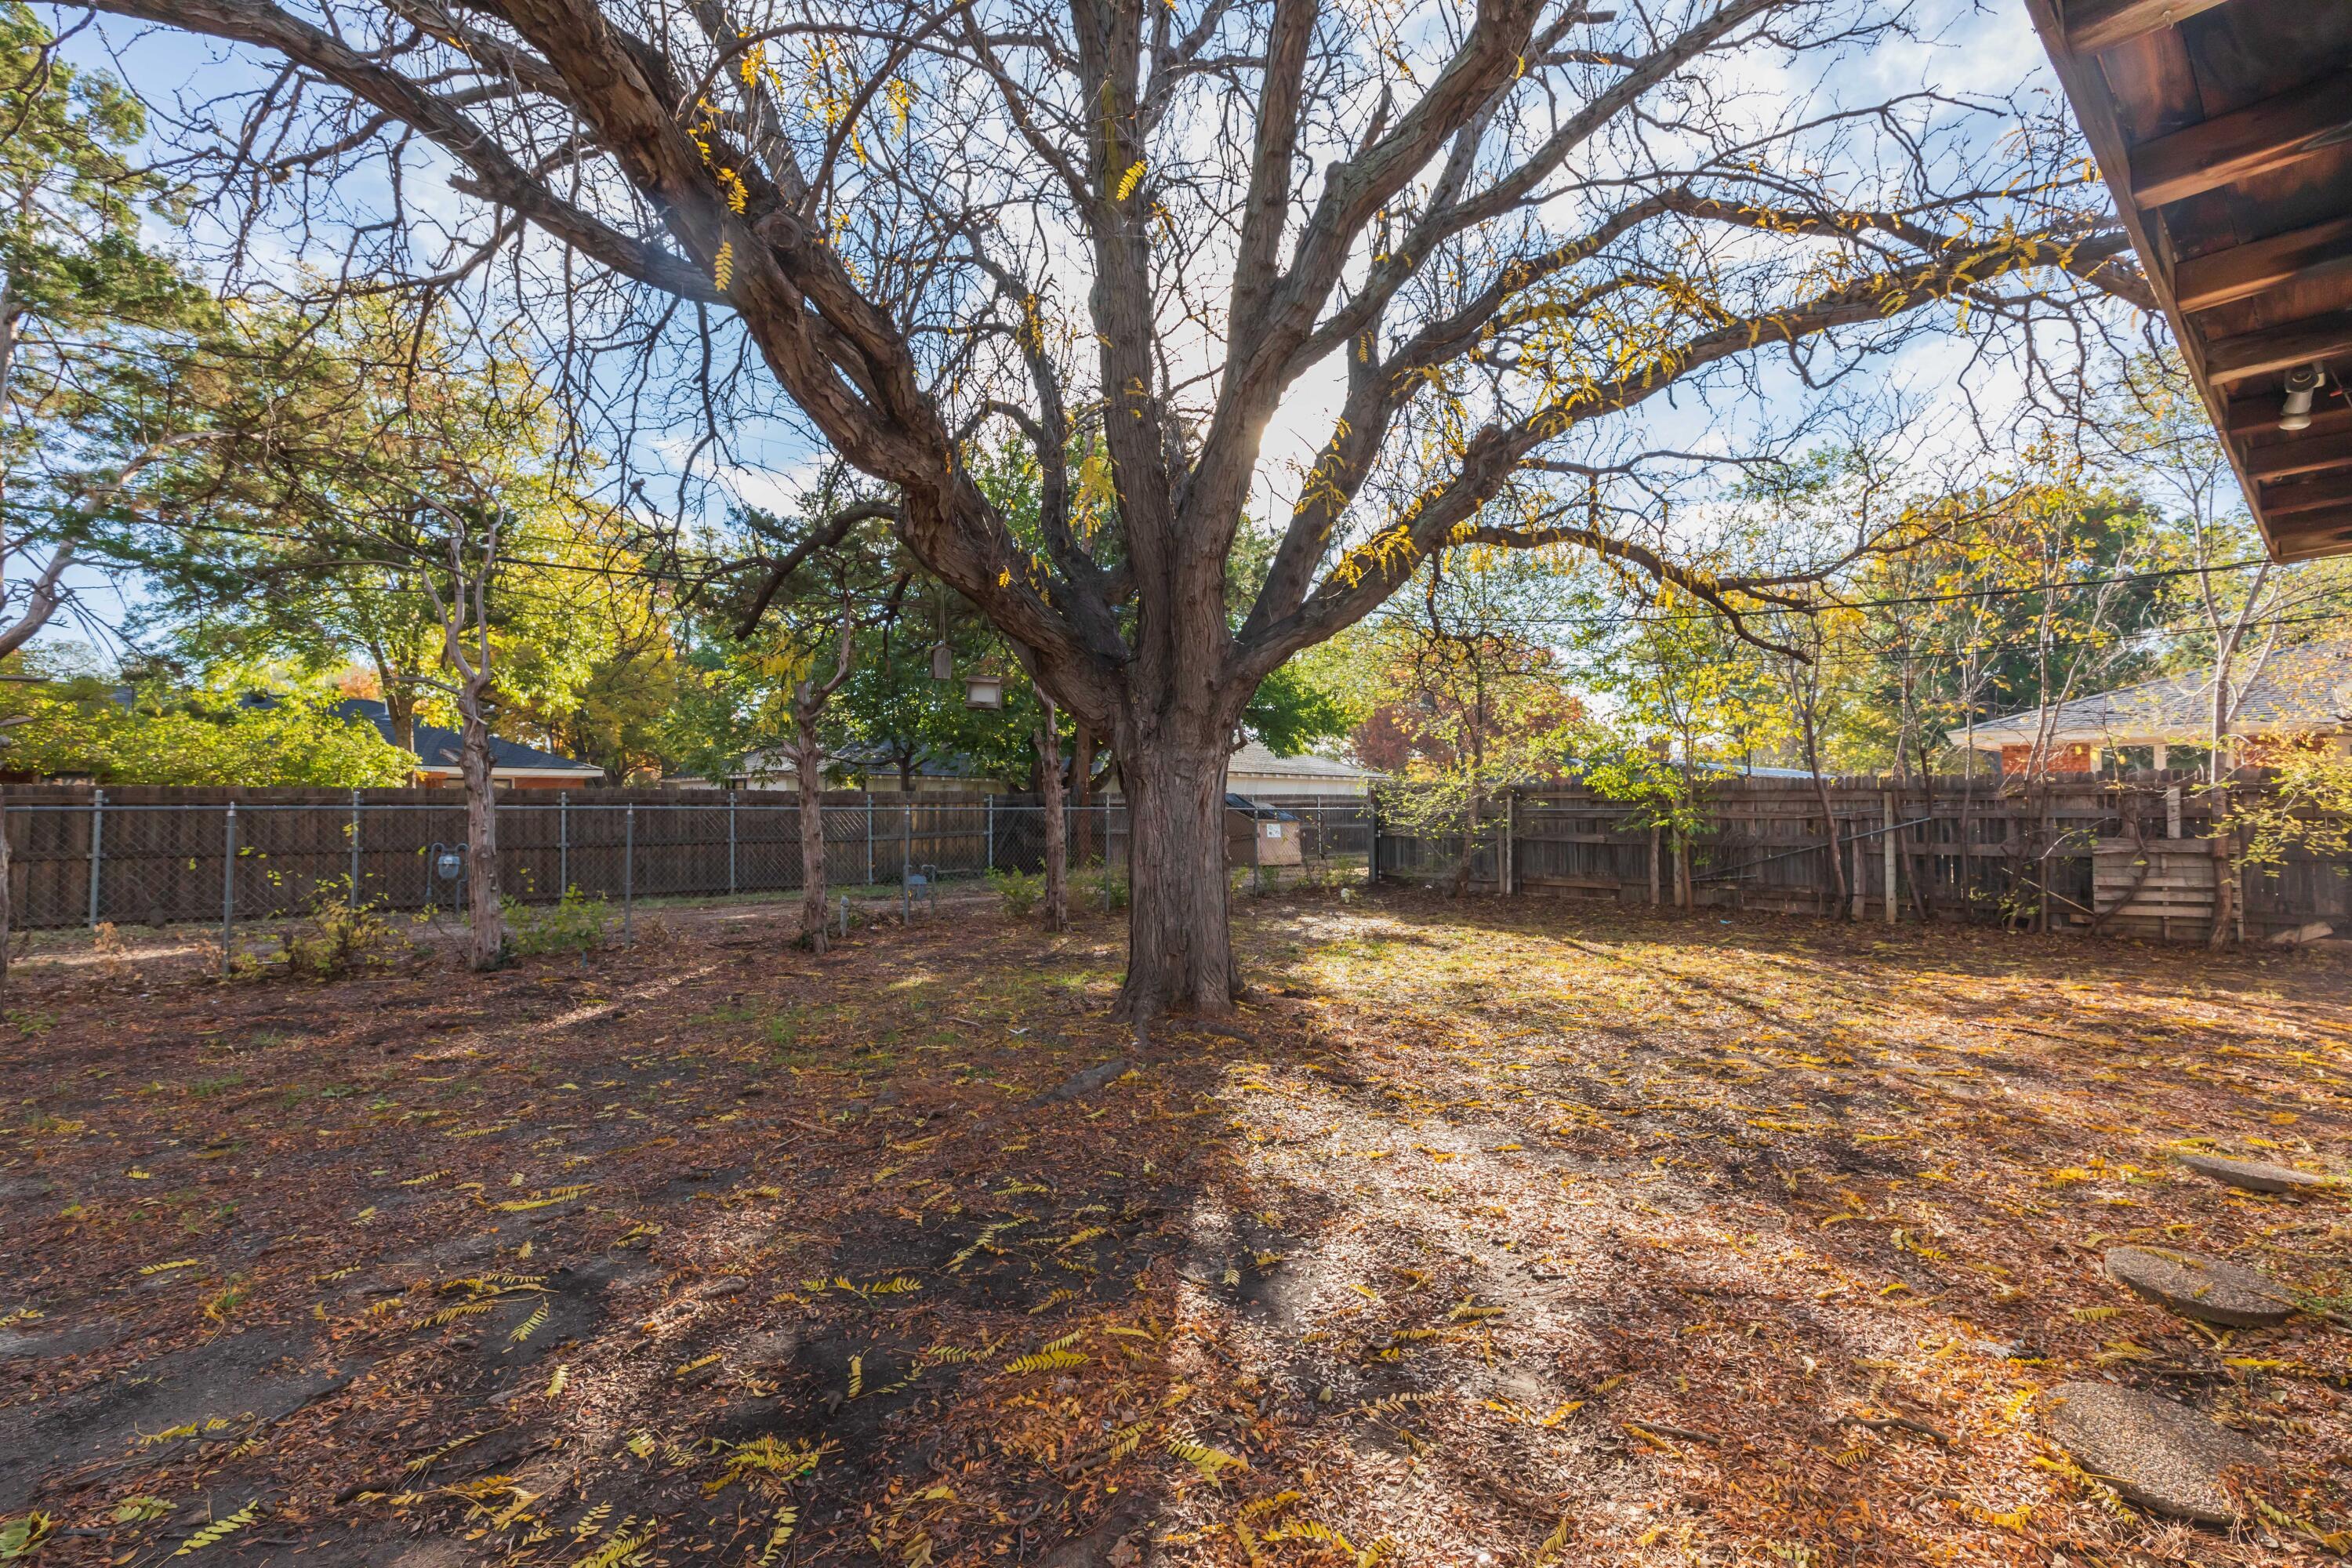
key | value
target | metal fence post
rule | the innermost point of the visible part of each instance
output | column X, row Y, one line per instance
column 228, row 885
column 629, row 873
column 992, row 834
column 730, row 842
column 563, row 842
column 97, row 854
column 354, row 899
column 869, row 837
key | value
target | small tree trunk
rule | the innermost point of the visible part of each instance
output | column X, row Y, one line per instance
column 1476, row 803
column 808, row 776
column 486, row 947
column 1058, row 846
column 2225, row 882
column 7, row 896
column 400, row 717
column 1180, row 956
column 1082, row 768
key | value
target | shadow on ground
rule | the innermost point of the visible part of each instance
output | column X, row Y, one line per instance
column 1566, row 1235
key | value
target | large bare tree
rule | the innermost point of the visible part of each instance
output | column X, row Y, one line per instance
column 1455, row 240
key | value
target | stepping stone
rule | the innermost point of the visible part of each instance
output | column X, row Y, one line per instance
column 2205, row 1289
column 2162, row 1456
column 2254, row 1176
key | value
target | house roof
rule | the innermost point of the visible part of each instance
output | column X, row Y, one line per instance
column 2306, row 688
column 2223, row 132
column 437, row 748
column 1255, row 761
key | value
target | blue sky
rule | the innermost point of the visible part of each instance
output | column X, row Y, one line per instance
column 1963, row 50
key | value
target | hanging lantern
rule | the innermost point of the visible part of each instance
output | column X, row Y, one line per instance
column 983, row 691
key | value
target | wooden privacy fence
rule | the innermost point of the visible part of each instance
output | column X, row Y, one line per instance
column 153, row 856
column 2135, row 857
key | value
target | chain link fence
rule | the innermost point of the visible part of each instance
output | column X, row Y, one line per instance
column 156, row 857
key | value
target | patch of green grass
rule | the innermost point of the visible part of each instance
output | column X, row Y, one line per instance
column 206, row 1087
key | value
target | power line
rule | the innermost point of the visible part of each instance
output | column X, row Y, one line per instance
column 2063, row 586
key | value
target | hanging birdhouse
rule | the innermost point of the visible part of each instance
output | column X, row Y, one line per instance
column 942, row 656
column 983, row 691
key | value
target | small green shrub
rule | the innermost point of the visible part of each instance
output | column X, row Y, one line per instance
column 1102, row 886
column 1021, row 892
column 573, row 923
column 337, row 938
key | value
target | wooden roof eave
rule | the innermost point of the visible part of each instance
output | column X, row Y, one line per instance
column 2106, row 140
column 2243, row 110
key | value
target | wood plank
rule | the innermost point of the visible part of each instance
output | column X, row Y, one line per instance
column 2279, row 348
column 2308, row 456
column 2228, row 148
column 2311, row 495
column 2309, row 535
column 2321, row 251
column 2096, row 24
column 2257, row 413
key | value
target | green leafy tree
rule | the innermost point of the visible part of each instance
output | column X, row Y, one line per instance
column 154, row 735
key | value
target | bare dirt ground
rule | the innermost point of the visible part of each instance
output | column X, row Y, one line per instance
column 1521, row 1234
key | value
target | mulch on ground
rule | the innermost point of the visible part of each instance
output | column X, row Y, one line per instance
column 1552, row 1233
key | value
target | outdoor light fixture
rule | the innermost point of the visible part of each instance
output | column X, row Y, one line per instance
column 983, row 691
column 2302, row 382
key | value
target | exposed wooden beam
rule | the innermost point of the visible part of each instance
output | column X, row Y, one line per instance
column 2312, row 495
column 2307, row 536
column 2229, row 147
column 2257, row 415
column 2308, row 455
column 2096, row 24
column 2303, row 255
column 2282, row 347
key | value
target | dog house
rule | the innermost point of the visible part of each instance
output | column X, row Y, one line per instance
column 1260, row 834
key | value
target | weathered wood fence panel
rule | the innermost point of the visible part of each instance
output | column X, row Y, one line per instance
column 2133, row 857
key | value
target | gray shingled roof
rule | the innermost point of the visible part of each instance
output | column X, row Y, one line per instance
column 2298, row 689
column 438, row 748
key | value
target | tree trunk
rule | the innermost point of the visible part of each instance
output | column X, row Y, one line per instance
column 808, row 776
column 8, row 897
column 2225, row 881
column 1058, row 846
column 1180, row 956
column 1082, row 768
column 486, row 944
column 1836, row 850
column 400, row 717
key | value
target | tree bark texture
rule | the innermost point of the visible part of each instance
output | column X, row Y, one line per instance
column 808, row 777
column 1180, row 955
column 486, row 941
column 1057, row 825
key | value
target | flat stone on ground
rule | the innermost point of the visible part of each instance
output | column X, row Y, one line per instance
column 2162, row 1456
column 2205, row 1289
column 2255, row 1176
